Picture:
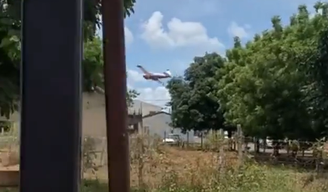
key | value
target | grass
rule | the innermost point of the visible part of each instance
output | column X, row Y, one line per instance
column 158, row 168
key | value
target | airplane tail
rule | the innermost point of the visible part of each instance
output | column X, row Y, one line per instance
column 168, row 73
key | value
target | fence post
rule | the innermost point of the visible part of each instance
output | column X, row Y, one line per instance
column 141, row 155
column 201, row 140
column 221, row 153
column 103, row 146
column 240, row 144
column 82, row 157
column 187, row 139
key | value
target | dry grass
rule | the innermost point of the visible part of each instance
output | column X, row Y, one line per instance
column 159, row 168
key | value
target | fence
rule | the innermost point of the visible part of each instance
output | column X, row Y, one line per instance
column 224, row 152
column 8, row 141
column 94, row 151
column 303, row 154
column 95, row 148
column 151, row 160
column 149, row 157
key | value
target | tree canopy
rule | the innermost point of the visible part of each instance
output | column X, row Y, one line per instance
column 274, row 85
column 93, row 66
column 10, row 48
column 193, row 104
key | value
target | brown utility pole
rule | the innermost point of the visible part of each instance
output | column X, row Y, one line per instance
column 115, row 91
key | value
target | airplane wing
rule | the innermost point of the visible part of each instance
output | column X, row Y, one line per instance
column 162, row 77
column 160, row 82
column 143, row 70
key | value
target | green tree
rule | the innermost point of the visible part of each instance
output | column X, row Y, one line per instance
column 316, row 66
column 193, row 104
column 10, row 25
column 264, row 84
column 180, row 96
column 11, row 14
column 93, row 66
column 9, row 70
column 275, row 85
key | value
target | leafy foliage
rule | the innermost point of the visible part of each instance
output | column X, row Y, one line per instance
column 93, row 66
column 194, row 106
column 9, row 61
column 275, row 85
column 10, row 26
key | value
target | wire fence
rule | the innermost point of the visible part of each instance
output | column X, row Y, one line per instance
column 144, row 149
column 300, row 154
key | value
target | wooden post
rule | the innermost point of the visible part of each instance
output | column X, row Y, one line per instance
column 141, row 152
column 187, row 139
column 240, row 143
column 202, row 140
column 82, row 157
column 221, row 153
column 115, row 94
column 103, row 150
column 51, row 96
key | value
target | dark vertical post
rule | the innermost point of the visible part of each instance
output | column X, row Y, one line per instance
column 51, row 96
column 115, row 91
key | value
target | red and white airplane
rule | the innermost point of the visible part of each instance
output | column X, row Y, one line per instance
column 155, row 76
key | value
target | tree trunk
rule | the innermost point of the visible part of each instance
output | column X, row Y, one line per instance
column 257, row 145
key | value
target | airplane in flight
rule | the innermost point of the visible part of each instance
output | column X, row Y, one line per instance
column 155, row 76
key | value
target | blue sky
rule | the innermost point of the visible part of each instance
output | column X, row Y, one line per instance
column 167, row 34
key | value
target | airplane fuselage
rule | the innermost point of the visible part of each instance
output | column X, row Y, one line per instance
column 149, row 77
column 155, row 77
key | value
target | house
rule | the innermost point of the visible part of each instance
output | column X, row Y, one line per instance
column 159, row 123
column 94, row 119
column 94, row 115
column 144, row 107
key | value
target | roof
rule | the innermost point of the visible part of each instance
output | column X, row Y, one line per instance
column 156, row 113
column 97, row 99
column 138, row 106
column 145, row 108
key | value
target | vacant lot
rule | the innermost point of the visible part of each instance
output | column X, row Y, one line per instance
column 164, row 168
column 158, row 168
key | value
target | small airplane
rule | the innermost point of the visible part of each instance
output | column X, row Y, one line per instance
column 155, row 76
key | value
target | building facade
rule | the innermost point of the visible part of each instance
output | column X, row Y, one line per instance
column 159, row 124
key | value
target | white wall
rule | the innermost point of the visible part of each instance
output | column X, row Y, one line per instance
column 159, row 124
